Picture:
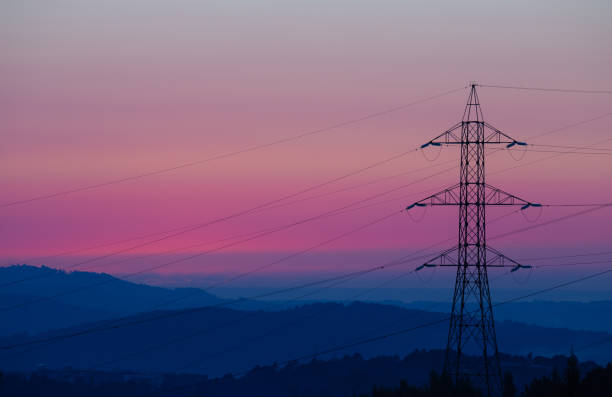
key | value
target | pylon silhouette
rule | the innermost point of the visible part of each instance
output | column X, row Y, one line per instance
column 472, row 327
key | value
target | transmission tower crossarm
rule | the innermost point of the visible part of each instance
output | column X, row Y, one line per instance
column 494, row 258
column 497, row 259
column 447, row 137
column 449, row 196
column 450, row 137
column 492, row 196
column 496, row 196
column 446, row 258
column 496, row 136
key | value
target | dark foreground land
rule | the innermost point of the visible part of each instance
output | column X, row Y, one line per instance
column 350, row 376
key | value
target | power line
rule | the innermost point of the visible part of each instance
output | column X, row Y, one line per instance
column 576, row 214
column 572, row 147
column 561, row 285
column 232, row 237
column 188, row 228
column 179, row 260
column 230, row 154
column 231, row 244
column 262, row 233
column 578, row 205
column 361, row 293
column 541, row 134
column 549, row 222
column 269, row 332
column 207, row 330
column 543, row 158
column 568, row 256
column 571, row 152
column 566, row 90
column 498, row 236
column 396, row 262
column 265, row 266
column 558, row 129
column 572, row 264
column 431, row 323
column 266, row 232
column 568, row 126
column 311, row 315
column 103, row 245
column 377, row 338
column 250, row 314
column 559, row 264
column 369, row 183
column 118, row 324
column 131, row 321
column 248, row 237
column 326, row 194
column 284, row 258
column 342, row 280
column 324, row 310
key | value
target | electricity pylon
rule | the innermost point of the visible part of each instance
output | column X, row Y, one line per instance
column 472, row 328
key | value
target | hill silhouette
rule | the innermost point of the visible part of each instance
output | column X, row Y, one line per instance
column 341, row 377
column 215, row 341
column 92, row 297
column 566, row 314
column 110, row 297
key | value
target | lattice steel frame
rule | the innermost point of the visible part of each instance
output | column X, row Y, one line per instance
column 472, row 321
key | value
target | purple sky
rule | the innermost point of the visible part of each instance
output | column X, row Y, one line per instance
column 94, row 91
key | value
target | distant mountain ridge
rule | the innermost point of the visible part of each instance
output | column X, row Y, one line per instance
column 100, row 296
column 567, row 314
column 215, row 341
column 61, row 299
column 93, row 290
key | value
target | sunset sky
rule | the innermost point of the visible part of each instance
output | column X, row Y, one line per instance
column 94, row 91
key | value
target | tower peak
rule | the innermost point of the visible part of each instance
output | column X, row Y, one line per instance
column 473, row 112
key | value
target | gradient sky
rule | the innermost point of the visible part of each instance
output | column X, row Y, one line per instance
column 93, row 91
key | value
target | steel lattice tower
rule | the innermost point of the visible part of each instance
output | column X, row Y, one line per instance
column 472, row 327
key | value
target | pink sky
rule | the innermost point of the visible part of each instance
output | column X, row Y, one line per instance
column 93, row 91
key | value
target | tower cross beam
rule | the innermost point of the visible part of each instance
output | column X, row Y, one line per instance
column 494, row 258
column 453, row 136
column 492, row 196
